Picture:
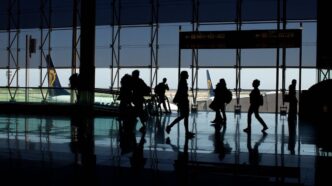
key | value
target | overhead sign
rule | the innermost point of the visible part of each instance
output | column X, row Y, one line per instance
column 241, row 39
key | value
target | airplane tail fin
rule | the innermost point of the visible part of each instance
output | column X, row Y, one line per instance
column 53, row 79
column 209, row 84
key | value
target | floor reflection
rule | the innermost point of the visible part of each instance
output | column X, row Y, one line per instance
column 51, row 150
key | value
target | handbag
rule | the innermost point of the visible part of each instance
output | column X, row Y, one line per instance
column 176, row 99
column 213, row 105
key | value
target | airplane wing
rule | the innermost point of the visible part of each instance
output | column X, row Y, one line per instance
column 107, row 91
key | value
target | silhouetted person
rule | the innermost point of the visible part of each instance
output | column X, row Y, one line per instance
column 254, row 156
column 292, row 111
column 292, row 122
column 160, row 90
column 220, row 94
column 74, row 81
column 127, row 116
column 126, row 108
column 255, row 103
column 181, row 99
column 140, row 89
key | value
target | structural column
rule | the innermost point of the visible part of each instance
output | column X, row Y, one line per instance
column 87, row 66
column 87, row 86
column 324, row 39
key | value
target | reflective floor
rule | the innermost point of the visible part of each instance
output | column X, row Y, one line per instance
column 50, row 150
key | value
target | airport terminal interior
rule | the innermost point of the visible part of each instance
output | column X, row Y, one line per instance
column 67, row 116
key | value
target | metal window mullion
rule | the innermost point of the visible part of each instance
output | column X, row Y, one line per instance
column 76, row 38
column 45, row 22
column 115, row 56
column 11, row 41
column 77, row 51
column 42, row 44
column 116, row 17
column 154, row 43
column 194, row 70
column 13, row 77
column 238, row 56
column 194, row 82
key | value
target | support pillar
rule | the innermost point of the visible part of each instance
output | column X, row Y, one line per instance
column 86, row 89
column 87, row 66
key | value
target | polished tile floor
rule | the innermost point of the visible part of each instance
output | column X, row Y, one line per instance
column 49, row 150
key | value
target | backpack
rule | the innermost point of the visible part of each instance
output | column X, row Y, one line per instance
column 157, row 89
column 228, row 96
column 142, row 88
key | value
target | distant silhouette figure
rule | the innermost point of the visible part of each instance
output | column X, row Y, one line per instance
column 220, row 101
column 292, row 111
column 160, row 90
column 181, row 99
column 140, row 89
column 292, row 122
column 255, row 102
column 74, row 81
column 254, row 156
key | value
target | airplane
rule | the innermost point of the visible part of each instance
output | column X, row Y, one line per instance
column 60, row 95
column 209, row 86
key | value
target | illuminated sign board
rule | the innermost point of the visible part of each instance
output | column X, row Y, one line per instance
column 241, row 39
